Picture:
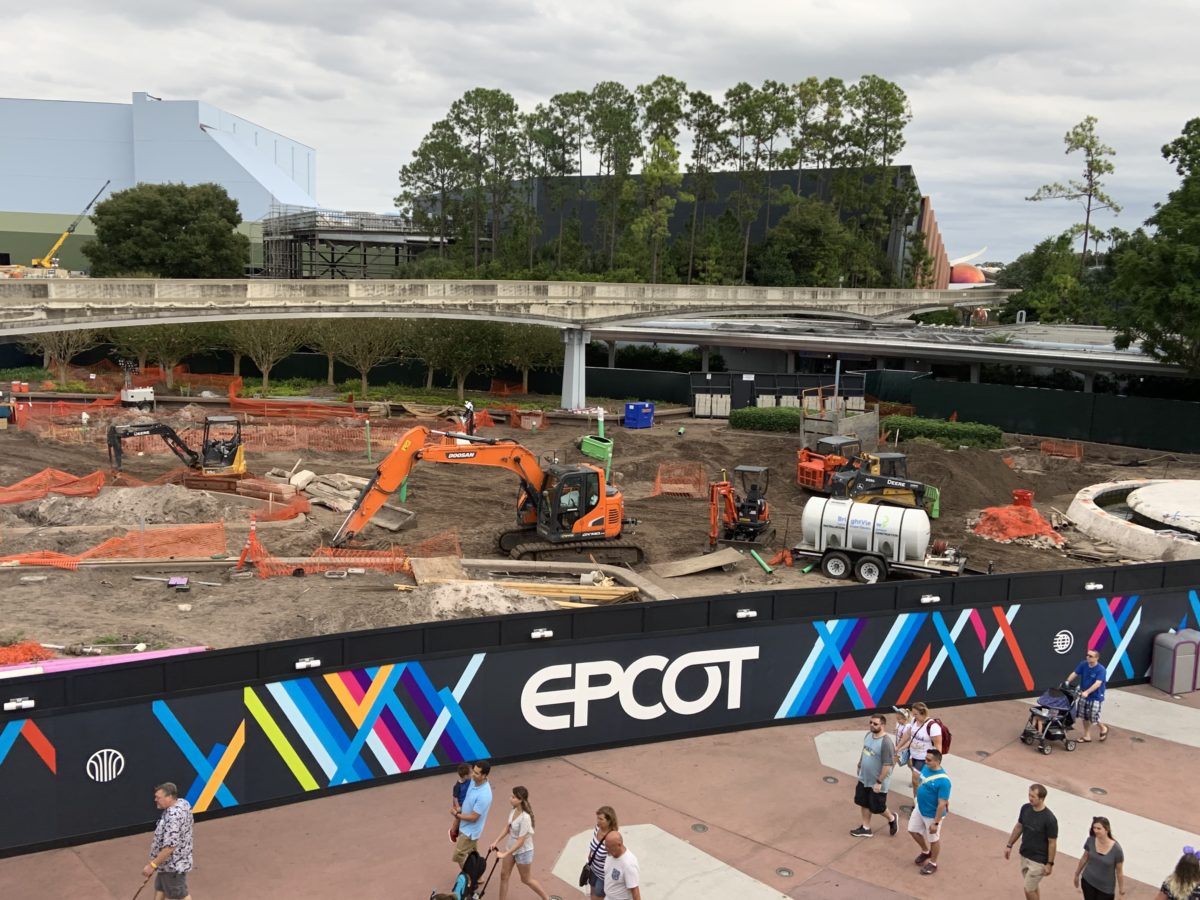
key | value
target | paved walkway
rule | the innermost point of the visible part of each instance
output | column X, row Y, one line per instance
column 752, row 815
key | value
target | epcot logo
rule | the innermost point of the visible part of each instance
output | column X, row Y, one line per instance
column 105, row 765
column 1063, row 642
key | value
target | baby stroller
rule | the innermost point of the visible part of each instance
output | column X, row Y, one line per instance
column 466, row 885
column 1051, row 719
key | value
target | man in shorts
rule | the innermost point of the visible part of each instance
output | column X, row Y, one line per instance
column 875, row 765
column 1037, row 828
column 472, row 816
column 1093, row 679
column 171, row 849
column 929, row 812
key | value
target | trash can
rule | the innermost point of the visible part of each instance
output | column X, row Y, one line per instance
column 1174, row 659
column 639, row 415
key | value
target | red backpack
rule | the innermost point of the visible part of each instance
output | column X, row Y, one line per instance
column 947, row 737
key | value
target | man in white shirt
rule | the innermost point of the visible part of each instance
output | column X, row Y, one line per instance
column 622, row 874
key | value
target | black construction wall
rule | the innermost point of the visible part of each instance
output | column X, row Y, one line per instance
column 242, row 728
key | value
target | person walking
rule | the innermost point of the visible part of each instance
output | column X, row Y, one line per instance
column 930, row 812
column 1184, row 882
column 1093, row 679
column 171, row 848
column 606, row 822
column 472, row 817
column 1101, row 869
column 622, row 874
column 1038, row 830
column 519, row 849
column 904, row 730
column 875, row 764
column 926, row 735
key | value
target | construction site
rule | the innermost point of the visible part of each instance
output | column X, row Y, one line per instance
column 266, row 547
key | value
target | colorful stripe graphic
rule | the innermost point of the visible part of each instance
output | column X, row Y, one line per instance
column 28, row 729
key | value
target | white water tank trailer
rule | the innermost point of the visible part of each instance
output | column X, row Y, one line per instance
column 867, row 540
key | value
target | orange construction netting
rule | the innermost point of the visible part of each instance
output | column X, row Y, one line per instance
column 1065, row 449
column 680, row 480
column 506, row 388
column 330, row 559
column 153, row 542
column 23, row 652
column 1011, row 523
column 52, row 481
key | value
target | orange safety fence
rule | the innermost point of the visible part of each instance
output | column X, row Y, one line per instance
column 1065, row 449
column 1010, row 523
column 506, row 388
column 329, row 559
column 52, row 481
column 680, row 480
column 483, row 420
column 23, row 652
column 152, row 542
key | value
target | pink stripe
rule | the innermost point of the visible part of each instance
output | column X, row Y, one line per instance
column 1094, row 643
column 88, row 662
column 393, row 748
column 356, row 690
column 848, row 669
column 977, row 621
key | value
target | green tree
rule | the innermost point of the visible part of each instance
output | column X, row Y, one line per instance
column 1159, row 275
column 168, row 231
column 486, row 121
column 165, row 345
column 752, row 132
column 365, row 345
column 659, row 188
column 436, row 171
column 1050, row 288
column 662, row 108
column 552, row 130
column 529, row 347
column 613, row 136
column 574, row 107
column 58, row 348
column 806, row 104
column 266, row 342
column 710, row 150
column 1089, row 189
column 457, row 346
column 807, row 247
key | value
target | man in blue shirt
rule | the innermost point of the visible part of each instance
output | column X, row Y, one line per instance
column 473, row 815
column 929, row 812
column 1092, row 681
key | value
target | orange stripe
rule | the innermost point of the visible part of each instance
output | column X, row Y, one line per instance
column 222, row 769
column 1011, row 640
column 41, row 744
column 916, row 676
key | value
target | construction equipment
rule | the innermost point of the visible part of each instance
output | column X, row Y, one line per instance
column 221, row 452
column 815, row 468
column 561, row 509
column 740, row 521
column 869, row 542
column 50, row 260
column 882, row 479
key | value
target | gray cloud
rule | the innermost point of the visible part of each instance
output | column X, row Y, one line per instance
column 993, row 86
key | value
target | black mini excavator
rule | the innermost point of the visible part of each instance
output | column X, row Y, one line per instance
column 221, row 452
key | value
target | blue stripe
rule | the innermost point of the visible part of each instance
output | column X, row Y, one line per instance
column 952, row 653
column 351, row 755
column 469, row 739
column 8, row 737
column 1194, row 599
column 317, row 715
column 193, row 793
column 1114, row 632
column 185, row 743
column 896, row 653
column 838, row 637
column 1130, row 603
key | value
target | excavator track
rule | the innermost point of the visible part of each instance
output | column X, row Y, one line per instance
column 609, row 552
column 507, row 541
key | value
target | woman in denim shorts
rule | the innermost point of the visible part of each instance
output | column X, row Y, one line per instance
column 519, row 849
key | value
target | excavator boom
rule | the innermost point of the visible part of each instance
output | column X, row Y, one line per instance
column 414, row 446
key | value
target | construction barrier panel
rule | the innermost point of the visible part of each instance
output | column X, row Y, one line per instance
column 1064, row 449
column 684, row 479
column 392, row 703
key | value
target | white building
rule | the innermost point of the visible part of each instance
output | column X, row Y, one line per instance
column 55, row 155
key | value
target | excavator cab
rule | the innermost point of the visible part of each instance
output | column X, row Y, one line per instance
column 222, row 452
column 571, row 494
column 815, row 468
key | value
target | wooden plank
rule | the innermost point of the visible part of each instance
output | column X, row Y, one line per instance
column 437, row 569
column 726, row 556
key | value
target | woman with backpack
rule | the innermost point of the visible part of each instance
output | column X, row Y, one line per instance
column 926, row 735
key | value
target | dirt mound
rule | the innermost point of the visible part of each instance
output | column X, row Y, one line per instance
column 969, row 479
column 436, row 603
column 130, row 507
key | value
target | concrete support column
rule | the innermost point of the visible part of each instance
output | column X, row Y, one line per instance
column 574, row 384
column 881, row 362
column 612, row 354
column 704, row 354
column 976, row 370
column 789, row 362
column 1089, row 382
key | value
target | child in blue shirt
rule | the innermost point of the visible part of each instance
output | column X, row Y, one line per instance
column 459, row 795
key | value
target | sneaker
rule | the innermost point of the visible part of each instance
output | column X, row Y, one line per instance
column 862, row 832
column 930, row 868
column 893, row 825
column 921, row 857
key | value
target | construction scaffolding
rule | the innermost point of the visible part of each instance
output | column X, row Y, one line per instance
column 322, row 243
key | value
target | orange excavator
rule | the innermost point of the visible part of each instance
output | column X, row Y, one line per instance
column 562, row 510
column 740, row 520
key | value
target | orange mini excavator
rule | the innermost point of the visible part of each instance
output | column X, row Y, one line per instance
column 562, row 510
column 740, row 521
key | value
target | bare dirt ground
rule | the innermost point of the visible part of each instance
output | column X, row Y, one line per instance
column 94, row 604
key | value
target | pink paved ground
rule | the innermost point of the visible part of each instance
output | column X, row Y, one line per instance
column 760, row 793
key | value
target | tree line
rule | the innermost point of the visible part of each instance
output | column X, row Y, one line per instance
column 1146, row 284
column 458, row 347
column 823, row 150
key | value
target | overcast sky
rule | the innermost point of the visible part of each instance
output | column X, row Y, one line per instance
column 993, row 86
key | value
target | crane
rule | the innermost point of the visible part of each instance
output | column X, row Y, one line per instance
column 562, row 510
column 50, row 261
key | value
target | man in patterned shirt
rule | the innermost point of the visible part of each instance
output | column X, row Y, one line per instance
column 171, row 849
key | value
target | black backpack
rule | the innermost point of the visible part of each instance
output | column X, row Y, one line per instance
column 474, row 867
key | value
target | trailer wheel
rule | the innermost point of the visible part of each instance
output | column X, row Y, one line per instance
column 870, row 569
column 836, row 565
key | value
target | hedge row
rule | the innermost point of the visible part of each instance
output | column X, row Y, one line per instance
column 766, row 418
column 949, row 434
